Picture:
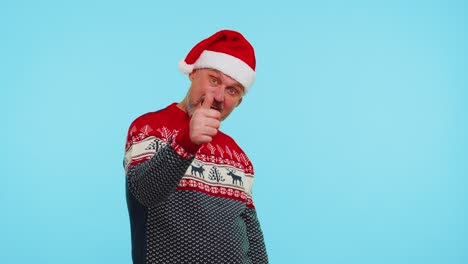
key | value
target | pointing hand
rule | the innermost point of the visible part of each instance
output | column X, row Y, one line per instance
column 205, row 122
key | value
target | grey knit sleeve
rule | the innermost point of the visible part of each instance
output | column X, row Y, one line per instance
column 152, row 181
column 257, row 251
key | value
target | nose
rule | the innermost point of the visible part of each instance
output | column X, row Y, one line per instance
column 219, row 94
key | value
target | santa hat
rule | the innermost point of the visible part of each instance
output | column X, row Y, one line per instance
column 227, row 51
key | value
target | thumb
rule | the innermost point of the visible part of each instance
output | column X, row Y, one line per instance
column 208, row 101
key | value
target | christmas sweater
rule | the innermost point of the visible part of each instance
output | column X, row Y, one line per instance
column 189, row 203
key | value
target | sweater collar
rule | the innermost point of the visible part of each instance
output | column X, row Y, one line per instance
column 177, row 112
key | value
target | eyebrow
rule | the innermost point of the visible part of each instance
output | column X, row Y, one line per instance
column 220, row 74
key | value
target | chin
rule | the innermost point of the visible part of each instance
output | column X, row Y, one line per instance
column 223, row 117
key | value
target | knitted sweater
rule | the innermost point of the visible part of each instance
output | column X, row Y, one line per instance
column 189, row 203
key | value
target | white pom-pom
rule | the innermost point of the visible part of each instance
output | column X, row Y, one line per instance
column 184, row 67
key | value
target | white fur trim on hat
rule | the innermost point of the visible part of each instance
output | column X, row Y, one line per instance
column 184, row 67
column 227, row 64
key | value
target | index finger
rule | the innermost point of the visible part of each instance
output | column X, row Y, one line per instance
column 208, row 101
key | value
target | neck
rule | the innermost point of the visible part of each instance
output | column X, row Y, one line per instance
column 182, row 105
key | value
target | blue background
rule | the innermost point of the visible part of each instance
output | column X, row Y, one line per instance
column 357, row 123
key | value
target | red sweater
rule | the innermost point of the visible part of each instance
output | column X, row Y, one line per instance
column 189, row 203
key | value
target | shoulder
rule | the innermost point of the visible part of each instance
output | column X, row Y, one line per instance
column 228, row 148
column 148, row 118
column 145, row 126
column 154, row 119
column 224, row 139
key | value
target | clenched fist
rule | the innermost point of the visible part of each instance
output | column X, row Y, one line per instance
column 205, row 122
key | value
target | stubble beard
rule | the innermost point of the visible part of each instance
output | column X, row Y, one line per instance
column 192, row 106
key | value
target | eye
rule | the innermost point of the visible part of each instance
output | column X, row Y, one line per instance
column 232, row 91
column 213, row 80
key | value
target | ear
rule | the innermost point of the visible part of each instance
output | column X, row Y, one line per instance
column 240, row 101
column 192, row 75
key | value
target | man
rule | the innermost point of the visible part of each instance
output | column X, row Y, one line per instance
column 188, row 184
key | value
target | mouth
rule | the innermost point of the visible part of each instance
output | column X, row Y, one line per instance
column 217, row 108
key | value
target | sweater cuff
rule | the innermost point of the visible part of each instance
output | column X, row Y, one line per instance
column 183, row 145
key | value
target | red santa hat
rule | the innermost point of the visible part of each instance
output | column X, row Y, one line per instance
column 227, row 51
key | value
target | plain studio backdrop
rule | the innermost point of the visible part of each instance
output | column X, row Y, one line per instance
column 356, row 125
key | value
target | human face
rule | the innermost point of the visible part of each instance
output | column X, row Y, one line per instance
column 227, row 93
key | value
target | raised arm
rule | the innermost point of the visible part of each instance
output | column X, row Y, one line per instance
column 154, row 179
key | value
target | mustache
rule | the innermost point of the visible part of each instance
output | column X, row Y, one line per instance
column 216, row 105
